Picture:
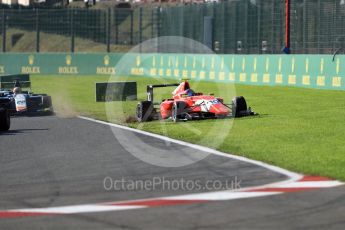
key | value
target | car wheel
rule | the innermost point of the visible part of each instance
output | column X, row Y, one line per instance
column 239, row 106
column 5, row 120
column 47, row 104
column 46, row 101
column 178, row 112
column 144, row 111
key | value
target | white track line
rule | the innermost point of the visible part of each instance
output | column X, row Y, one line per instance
column 310, row 184
column 221, row 195
column 73, row 209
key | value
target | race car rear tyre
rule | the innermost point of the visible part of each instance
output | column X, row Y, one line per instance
column 145, row 111
column 239, row 106
column 5, row 120
column 46, row 101
column 178, row 112
column 47, row 104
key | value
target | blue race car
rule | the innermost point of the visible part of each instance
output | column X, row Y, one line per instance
column 20, row 102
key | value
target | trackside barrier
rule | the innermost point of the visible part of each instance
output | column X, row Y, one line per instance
column 116, row 91
column 312, row 71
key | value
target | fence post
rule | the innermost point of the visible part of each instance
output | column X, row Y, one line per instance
column 272, row 26
column 235, row 28
column 140, row 27
column 3, row 30
column 246, row 6
column 152, row 23
column 116, row 26
column 305, row 34
column 182, row 24
column 286, row 50
column 221, row 44
column 259, row 26
column 214, row 19
column 319, row 26
column 72, row 30
column 226, row 17
column 108, row 29
column 37, row 32
column 336, row 33
column 131, row 39
column 159, row 27
column 332, row 35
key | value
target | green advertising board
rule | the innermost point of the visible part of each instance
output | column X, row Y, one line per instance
column 59, row 63
column 314, row 71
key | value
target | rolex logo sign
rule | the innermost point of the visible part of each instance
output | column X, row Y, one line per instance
column 30, row 69
column 137, row 70
column 106, row 60
column 106, row 69
column 68, row 60
column 138, row 61
column 68, row 69
column 31, row 59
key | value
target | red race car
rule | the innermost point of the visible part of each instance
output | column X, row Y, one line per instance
column 188, row 105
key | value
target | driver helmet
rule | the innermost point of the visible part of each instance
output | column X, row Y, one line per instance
column 17, row 90
column 190, row 92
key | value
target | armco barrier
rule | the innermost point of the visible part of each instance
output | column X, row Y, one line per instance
column 313, row 71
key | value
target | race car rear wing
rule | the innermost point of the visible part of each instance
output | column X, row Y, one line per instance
column 149, row 89
column 8, row 81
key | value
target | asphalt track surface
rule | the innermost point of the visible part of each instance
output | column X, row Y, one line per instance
column 50, row 161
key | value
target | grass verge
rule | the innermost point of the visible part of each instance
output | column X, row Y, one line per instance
column 298, row 129
column 55, row 43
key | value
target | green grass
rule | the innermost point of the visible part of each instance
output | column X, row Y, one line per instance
column 298, row 129
column 55, row 43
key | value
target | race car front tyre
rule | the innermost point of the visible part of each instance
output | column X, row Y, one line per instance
column 178, row 111
column 239, row 106
column 145, row 111
column 5, row 120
